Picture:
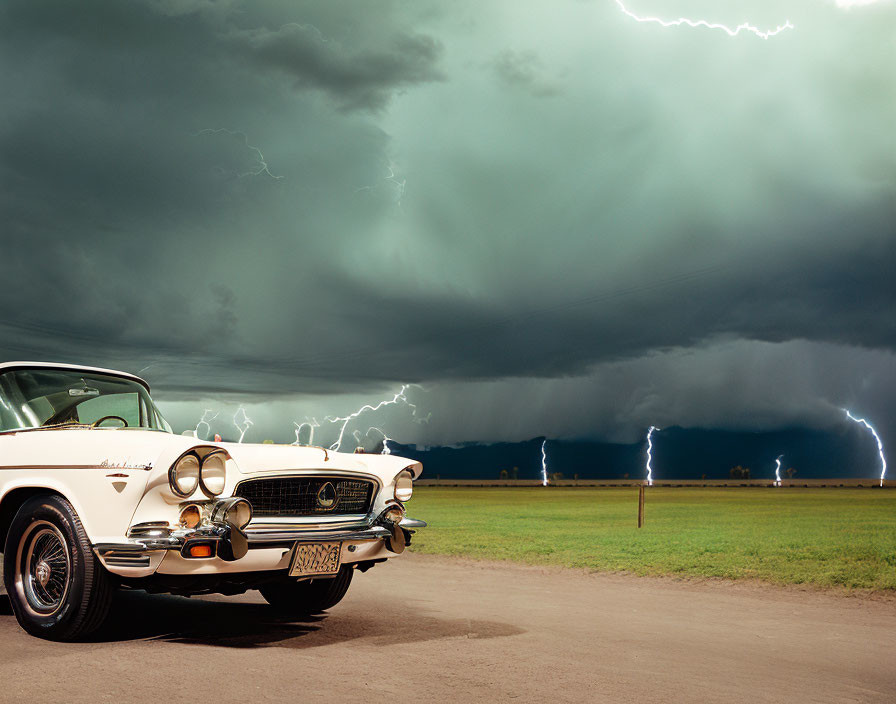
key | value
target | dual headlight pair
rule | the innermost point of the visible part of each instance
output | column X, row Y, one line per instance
column 209, row 473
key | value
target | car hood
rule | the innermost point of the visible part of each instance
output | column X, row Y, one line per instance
column 134, row 449
column 253, row 458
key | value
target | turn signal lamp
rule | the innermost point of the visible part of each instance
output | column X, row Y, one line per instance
column 201, row 550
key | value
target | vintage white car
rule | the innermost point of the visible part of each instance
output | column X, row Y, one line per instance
column 97, row 493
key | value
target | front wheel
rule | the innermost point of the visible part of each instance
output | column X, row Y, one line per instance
column 57, row 587
column 302, row 598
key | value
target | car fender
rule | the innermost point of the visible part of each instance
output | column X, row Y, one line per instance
column 103, row 499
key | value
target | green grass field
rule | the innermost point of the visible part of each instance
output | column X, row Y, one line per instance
column 827, row 537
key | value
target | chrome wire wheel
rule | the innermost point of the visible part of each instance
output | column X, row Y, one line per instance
column 44, row 568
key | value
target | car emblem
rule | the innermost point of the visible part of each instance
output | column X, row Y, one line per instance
column 42, row 573
column 327, row 496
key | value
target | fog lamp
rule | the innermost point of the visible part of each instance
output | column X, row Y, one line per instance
column 393, row 514
column 191, row 516
column 239, row 514
column 235, row 511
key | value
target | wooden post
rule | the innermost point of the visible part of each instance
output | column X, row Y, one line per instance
column 640, row 505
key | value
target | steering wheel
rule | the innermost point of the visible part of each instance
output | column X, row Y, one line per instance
column 96, row 423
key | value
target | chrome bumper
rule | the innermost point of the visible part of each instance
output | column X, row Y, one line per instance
column 152, row 538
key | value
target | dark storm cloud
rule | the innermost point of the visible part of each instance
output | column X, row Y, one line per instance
column 272, row 198
column 366, row 79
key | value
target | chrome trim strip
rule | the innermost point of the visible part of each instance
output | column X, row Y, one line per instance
column 319, row 473
column 126, row 560
column 137, row 547
column 347, row 520
column 62, row 466
column 72, row 466
column 372, row 533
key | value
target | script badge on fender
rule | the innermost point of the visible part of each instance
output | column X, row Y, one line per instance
column 312, row 559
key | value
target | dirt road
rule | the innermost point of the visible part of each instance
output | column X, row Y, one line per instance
column 423, row 629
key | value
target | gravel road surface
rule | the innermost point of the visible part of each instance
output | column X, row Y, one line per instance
column 429, row 629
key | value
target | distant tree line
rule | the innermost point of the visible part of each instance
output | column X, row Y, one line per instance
column 744, row 472
column 739, row 472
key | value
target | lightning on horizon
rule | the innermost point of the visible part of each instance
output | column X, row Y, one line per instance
column 544, row 463
column 880, row 445
column 398, row 398
column 744, row 27
column 650, row 431
column 243, row 425
column 311, row 425
column 778, row 470
column 206, row 421
column 386, row 439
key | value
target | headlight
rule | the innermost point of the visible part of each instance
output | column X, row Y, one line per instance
column 213, row 474
column 183, row 477
column 404, row 486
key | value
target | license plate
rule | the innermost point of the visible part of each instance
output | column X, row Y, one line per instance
column 315, row 559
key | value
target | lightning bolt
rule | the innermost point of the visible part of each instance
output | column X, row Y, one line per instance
column 778, row 470
column 745, row 27
column 243, row 425
column 311, row 425
column 398, row 398
column 205, row 420
column 399, row 185
column 880, row 445
column 386, row 439
column 650, row 431
column 259, row 157
column 392, row 178
column 544, row 463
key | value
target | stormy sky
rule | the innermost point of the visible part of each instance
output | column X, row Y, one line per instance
column 556, row 219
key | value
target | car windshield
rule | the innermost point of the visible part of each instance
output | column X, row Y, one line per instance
column 32, row 398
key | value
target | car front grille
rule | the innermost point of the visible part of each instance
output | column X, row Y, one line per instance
column 298, row 496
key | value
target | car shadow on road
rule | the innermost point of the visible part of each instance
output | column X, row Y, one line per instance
column 238, row 624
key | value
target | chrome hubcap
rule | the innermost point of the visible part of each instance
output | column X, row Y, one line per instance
column 44, row 567
column 43, row 573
